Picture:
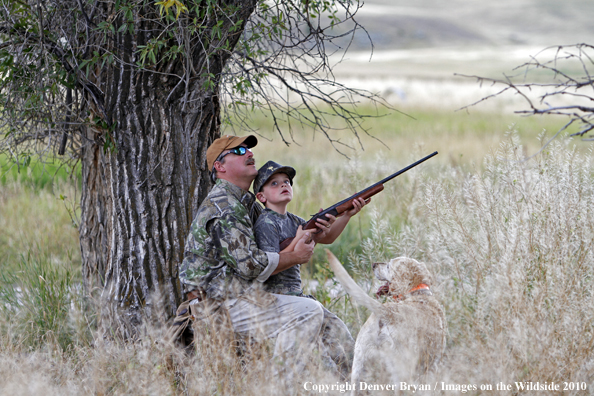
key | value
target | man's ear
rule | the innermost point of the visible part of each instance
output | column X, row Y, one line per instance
column 261, row 197
column 219, row 167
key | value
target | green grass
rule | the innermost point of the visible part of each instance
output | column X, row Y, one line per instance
column 35, row 173
column 36, row 300
column 39, row 219
column 38, row 202
column 462, row 138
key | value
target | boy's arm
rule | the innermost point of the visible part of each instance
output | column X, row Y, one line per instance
column 296, row 238
column 339, row 225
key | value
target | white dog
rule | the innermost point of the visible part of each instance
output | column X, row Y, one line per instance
column 405, row 336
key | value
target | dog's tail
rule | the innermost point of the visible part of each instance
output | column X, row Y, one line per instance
column 351, row 287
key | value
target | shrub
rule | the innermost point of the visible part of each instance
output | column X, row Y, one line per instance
column 37, row 303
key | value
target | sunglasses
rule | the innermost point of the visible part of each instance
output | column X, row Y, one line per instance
column 237, row 151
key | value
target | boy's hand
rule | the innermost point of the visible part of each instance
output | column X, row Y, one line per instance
column 357, row 206
column 298, row 235
column 332, row 227
column 323, row 226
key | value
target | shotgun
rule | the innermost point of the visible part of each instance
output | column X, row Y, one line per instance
column 347, row 204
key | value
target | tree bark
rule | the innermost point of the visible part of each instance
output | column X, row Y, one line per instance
column 139, row 198
column 138, row 202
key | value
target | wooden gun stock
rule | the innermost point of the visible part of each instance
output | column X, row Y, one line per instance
column 365, row 195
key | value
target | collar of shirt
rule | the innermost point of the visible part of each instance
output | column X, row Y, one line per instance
column 245, row 197
column 282, row 216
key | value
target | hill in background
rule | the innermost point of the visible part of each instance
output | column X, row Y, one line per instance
column 434, row 39
column 398, row 24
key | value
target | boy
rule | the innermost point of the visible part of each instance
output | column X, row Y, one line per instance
column 273, row 187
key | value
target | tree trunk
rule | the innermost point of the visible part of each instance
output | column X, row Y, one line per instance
column 140, row 195
column 138, row 202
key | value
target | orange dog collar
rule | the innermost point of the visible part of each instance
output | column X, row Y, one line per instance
column 421, row 286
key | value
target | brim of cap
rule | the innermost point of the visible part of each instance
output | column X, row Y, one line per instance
column 289, row 171
column 250, row 141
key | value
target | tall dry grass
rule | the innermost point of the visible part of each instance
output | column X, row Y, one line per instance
column 510, row 243
column 512, row 250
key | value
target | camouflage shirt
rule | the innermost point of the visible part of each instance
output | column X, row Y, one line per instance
column 222, row 258
column 271, row 229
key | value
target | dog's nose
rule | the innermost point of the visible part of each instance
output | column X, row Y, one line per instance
column 374, row 265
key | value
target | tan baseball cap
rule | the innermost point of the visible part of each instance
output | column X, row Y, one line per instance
column 225, row 143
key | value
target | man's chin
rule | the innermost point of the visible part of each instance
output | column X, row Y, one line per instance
column 253, row 175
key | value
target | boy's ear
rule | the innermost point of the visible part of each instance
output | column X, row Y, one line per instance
column 261, row 197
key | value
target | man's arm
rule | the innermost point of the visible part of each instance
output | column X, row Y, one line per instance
column 238, row 248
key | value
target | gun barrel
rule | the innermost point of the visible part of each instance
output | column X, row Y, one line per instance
column 401, row 171
column 345, row 204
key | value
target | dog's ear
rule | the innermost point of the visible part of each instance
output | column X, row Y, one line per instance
column 423, row 274
column 407, row 273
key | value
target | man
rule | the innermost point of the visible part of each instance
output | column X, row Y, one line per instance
column 224, row 267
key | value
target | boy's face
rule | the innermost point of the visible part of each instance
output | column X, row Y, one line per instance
column 277, row 190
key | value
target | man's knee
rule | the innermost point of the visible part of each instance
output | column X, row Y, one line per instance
column 314, row 306
column 303, row 310
column 314, row 309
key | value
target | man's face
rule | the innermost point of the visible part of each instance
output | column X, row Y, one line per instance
column 240, row 166
column 277, row 190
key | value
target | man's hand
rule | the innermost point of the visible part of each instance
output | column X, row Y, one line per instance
column 298, row 235
column 192, row 295
column 304, row 248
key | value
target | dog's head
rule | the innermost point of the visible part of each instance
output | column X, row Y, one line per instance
column 402, row 274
